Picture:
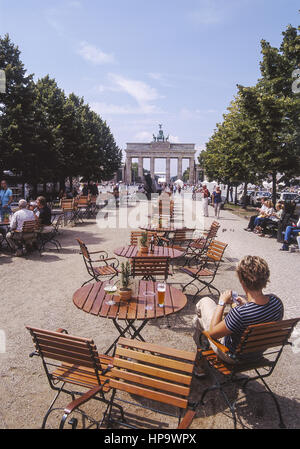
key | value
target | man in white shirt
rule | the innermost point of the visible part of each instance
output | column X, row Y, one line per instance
column 14, row 236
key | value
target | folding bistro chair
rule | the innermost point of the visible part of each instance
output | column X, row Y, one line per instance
column 150, row 267
column 266, row 342
column 136, row 235
column 206, row 272
column 69, row 210
column 75, row 362
column 108, row 269
column 49, row 236
column 197, row 248
column 83, row 207
column 158, row 374
column 28, row 235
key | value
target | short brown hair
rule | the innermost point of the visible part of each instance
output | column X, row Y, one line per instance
column 42, row 200
column 254, row 272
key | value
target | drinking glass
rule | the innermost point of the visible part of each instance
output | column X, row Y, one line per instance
column 161, row 292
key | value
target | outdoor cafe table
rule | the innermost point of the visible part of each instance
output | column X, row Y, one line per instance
column 164, row 229
column 132, row 251
column 92, row 299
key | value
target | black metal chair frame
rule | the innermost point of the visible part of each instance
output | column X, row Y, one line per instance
column 103, row 257
column 59, row 386
column 267, row 362
column 49, row 237
column 196, row 277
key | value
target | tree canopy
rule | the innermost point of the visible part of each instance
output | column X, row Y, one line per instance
column 47, row 136
column 259, row 135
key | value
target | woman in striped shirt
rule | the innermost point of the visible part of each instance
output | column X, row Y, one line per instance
column 257, row 307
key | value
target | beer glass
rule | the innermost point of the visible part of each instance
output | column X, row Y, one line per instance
column 161, row 292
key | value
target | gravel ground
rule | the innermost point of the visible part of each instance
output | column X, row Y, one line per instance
column 38, row 291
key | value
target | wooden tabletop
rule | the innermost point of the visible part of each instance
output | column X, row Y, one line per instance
column 131, row 251
column 92, row 299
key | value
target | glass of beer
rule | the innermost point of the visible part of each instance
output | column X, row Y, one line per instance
column 161, row 292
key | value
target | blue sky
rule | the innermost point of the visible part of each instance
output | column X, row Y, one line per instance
column 139, row 63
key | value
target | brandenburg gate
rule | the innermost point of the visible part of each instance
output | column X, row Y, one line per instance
column 160, row 148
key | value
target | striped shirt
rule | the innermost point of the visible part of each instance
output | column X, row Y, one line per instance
column 250, row 313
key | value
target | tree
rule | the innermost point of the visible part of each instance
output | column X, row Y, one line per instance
column 16, row 111
column 229, row 156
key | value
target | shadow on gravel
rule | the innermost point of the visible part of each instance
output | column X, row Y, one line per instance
column 255, row 408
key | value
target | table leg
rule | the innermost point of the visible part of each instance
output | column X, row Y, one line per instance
column 126, row 329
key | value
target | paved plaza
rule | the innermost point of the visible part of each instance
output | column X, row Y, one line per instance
column 38, row 291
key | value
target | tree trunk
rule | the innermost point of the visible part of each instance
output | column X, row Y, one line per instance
column 274, row 188
column 235, row 195
column 244, row 206
column 227, row 194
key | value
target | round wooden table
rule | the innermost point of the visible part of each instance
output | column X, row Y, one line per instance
column 132, row 251
column 93, row 299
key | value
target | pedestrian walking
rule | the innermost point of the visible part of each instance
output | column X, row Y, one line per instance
column 217, row 201
column 205, row 195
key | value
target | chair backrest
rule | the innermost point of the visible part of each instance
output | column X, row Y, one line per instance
column 260, row 337
column 83, row 201
column 152, row 371
column 84, row 251
column 67, row 204
column 181, row 235
column 215, row 251
column 136, row 235
column 30, row 226
column 54, row 347
column 56, row 222
column 149, row 267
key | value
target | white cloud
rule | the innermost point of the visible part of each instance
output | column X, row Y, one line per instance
column 174, row 139
column 208, row 12
column 93, row 54
column 140, row 91
column 114, row 109
column 143, row 95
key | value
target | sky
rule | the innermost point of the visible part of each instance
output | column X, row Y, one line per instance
column 140, row 63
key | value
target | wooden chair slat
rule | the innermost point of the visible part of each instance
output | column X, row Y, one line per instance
column 155, row 360
column 136, row 344
column 59, row 335
column 150, row 382
column 171, row 376
column 149, row 394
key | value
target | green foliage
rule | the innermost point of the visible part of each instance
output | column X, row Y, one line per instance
column 125, row 274
column 144, row 239
column 46, row 135
column 259, row 135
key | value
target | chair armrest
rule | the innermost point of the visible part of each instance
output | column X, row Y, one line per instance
column 98, row 252
column 61, row 331
column 82, row 399
column 187, row 420
column 216, row 342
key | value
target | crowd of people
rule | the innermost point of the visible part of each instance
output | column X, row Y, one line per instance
column 267, row 216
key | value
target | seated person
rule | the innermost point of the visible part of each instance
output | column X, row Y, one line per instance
column 258, row 307
column 267, row 213
column 14, row 236
column 42, row 211
column 275, row 217
column 260, row 210
column 290, row 230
